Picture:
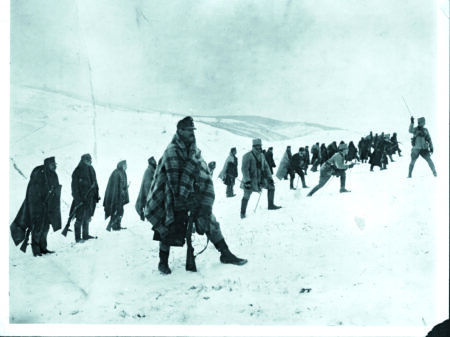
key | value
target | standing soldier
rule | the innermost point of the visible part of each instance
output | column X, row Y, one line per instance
column 308, row 159
column 395, row 147
column 256, row 176
column 422, row 145
column 85, row 196
column 145, row 187
column 182, row 195
column 116, row 196
column 229, row 172
column 286, row 168
column 334, row 166
column 323, row 154
column 40, row 208
column 269, row 159
column 315, row 160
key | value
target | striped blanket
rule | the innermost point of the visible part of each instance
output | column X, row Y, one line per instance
column 182, row 181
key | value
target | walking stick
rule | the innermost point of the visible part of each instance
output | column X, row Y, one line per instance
column 257, row 202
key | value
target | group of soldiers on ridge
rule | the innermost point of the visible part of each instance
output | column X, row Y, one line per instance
column 177, row 193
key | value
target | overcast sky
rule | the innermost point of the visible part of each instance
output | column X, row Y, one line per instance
column 322, row 61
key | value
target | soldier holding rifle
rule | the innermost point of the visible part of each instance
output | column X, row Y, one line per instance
column 40, row 208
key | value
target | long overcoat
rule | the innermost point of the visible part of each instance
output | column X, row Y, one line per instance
column 83, row 178
column 42, row 181
column 116, row 194
column 229, row 171
column 284, row 167
column 256, row 170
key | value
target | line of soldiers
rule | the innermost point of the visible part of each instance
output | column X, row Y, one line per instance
column 41, row 206
column 177, row 194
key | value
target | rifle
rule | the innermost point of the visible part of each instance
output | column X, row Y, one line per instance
column 24, row 245
column 190, row 258
column 72, row 215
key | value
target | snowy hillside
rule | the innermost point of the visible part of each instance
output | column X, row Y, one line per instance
column 375, row 257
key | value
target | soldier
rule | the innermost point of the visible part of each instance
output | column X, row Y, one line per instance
column 211, row 167
column 334, row 166
column 256, row 176
column 395, row 147
column 269, row 159
column 85, row 193
column 299, row 164
column 40, row 208
column 116, row 196
column 145, row 187
column 315, row 160
column 422, row 145
column 229, row 172
column 308, row 159
column 286, row 168
column 182, row 195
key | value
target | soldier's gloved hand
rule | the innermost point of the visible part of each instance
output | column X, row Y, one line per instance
column 412, row 119
column 248, row 185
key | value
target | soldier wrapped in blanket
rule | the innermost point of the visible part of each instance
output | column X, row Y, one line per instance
column 334, row 167
column 315, row 160
column 83, row 178
column 323, row 154
column 145, row 187
column 116, row 196
column 229, row 172
column 364, row 149
column 421, row 145
column 40, row 208
column 285, row 168
column 256, row 176
column 182, row 191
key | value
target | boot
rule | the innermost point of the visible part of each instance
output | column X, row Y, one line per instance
column 303, row 182
column 36, row 250
column 244, row 203
column 46, row 251
column 270, row 197
column 291, row 184
column 343, row 189
column 163, row 265
column 226, row 256
column 78, row 233
column 86, row 235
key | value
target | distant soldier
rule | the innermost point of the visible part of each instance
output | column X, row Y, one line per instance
column 315, row 160
column 334, row 167
column 85, row 196
column 40, row 208
column 211, row 167
column 332, row 148
column 395, row 147
column 323, row 154
column 116, row 196
column 256, row 176
column 269, row 159
column 299, row 165
column 308, row 159
column 229, row 172
column 145, row 187
column 364, row 149
column 422, row 145
column 286, row 168
column 352, row 152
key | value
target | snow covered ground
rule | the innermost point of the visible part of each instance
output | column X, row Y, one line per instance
column 373, row 260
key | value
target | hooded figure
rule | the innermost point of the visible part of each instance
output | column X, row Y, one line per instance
column 116, row 196
column 40, row 208
column 84, row 190
column 145, row 187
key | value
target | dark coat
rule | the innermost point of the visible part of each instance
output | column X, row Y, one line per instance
column 352, row 152
column 299, row 161
column 145, row 188
column 116, row 194
column 323, row 154
column 83, row 177
column 269, row 160
column 42, row 181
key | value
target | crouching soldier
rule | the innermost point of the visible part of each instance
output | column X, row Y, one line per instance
column 334, row 166
column 116, row 196
column 256, row 176
column 181, row 196
column 40, row 208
